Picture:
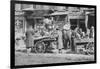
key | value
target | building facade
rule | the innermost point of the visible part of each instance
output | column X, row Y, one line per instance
column 76, row 16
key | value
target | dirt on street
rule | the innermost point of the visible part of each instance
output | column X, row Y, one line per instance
column 47, row 58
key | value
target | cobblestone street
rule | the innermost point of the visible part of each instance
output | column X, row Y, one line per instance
column 32, row 59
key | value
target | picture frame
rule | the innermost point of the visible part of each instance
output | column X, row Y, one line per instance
column 13, row 18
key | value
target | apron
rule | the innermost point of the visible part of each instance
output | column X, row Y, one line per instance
column 60, row 41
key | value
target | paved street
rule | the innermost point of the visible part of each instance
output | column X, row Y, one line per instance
column 32, row 59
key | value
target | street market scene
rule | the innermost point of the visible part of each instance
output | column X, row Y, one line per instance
column 47, row 34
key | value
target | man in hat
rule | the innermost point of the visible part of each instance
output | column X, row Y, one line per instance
column 66, row 35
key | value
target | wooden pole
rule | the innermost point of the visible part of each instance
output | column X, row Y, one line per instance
column 86, row 22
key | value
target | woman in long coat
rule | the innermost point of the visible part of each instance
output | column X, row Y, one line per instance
column 60, row 41
column 29, row 37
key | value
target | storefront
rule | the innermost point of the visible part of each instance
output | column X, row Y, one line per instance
column 19, row 22
column 77, row 19
column 90, row 19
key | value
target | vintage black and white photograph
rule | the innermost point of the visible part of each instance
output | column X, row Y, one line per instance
column 49, row 34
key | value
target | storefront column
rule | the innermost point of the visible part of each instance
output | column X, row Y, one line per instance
column 23, row 26
column 86, row 21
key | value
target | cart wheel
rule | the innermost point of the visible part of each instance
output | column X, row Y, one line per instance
column 90, row 47
column 40, row 47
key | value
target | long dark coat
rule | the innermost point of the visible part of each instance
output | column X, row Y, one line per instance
column 29, row 38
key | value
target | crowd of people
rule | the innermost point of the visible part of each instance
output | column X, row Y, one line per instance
column 65, row 35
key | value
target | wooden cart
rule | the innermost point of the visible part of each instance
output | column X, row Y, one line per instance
column 85, row 45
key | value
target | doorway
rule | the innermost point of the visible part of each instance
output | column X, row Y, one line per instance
column 91, row 21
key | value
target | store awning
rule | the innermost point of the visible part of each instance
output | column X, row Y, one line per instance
column 28, row 9
column 38, row 13
column 90, row 13
column 59, row 13
column 19, row 13
column 76, row 15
